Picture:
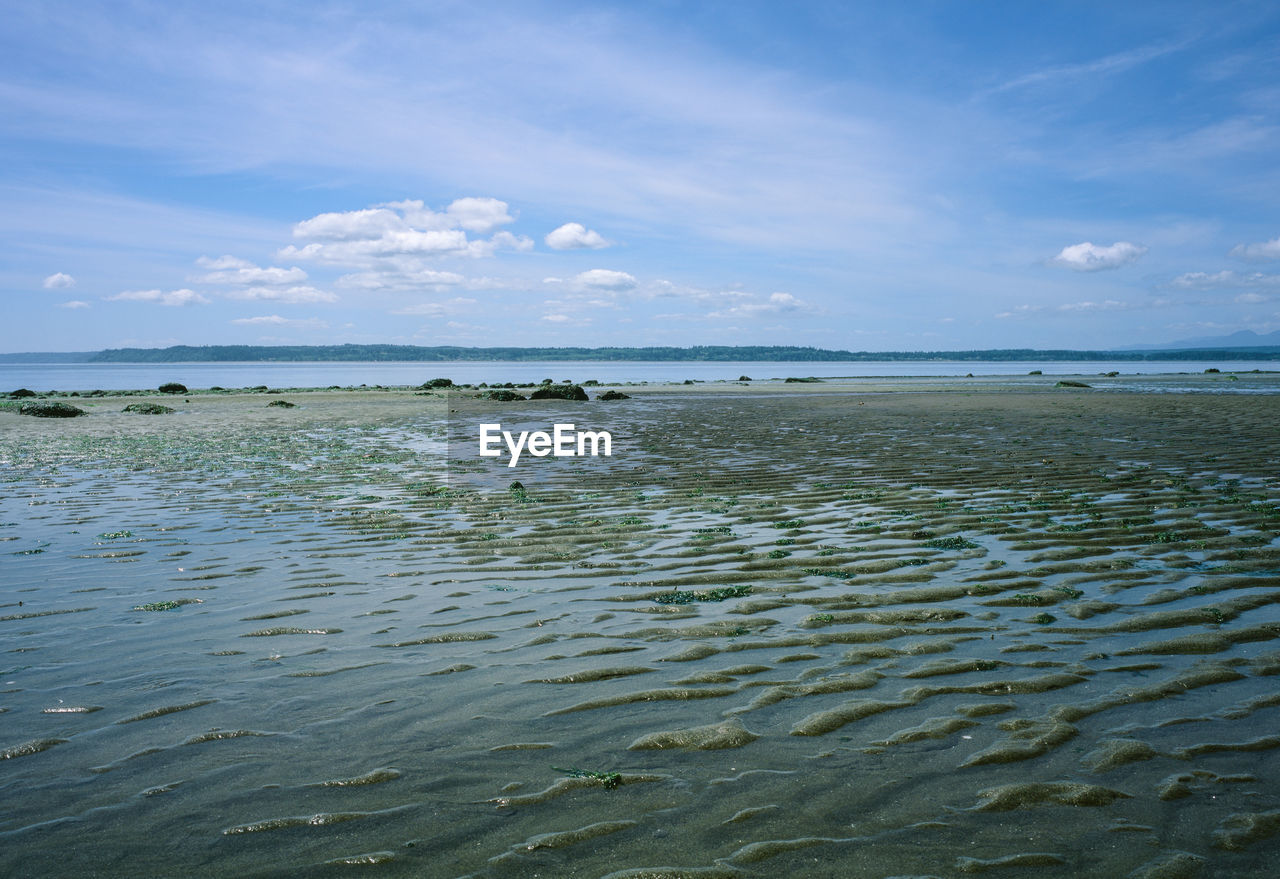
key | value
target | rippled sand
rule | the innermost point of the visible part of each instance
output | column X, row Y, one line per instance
column 867, row 628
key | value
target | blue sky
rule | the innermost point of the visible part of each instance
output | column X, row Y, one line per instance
column 862, row 176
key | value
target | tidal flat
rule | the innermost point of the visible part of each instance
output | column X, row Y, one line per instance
column 851, row 628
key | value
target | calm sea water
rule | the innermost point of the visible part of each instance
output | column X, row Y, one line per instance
column 130, row 376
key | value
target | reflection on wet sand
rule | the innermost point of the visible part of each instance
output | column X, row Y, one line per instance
column 845, row 629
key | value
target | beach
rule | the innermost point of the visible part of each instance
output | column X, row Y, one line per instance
column 852, row 627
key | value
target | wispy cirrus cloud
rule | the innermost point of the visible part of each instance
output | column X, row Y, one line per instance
column 1107, row 65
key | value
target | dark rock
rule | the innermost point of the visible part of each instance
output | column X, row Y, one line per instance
column 516, row 486
column 614, row 395
column 560, row 392
column 281, row 404
column 502, row 396
column 744, row 378
column 22, row 392
column 51, row 410
column 803, row 380
column 437, row 383
column 1066, row 383
column 146, row 409
column 173, row 388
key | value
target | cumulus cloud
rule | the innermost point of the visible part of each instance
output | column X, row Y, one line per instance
column 392, row 243
column 1224, row 280
column 59, row 281
column 605, row 279
column 75, row 303
column 1259, row 252
column 501, row 241
column 275, row 320
column 479, row 215
column 291, row 295
column 161, row 297
column 353, row 225
column 232, row 270
column 575, row 236
column 393, row 232
column 1089, row 257
column 777, row 303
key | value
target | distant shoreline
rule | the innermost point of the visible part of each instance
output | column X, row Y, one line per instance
column 696, row 354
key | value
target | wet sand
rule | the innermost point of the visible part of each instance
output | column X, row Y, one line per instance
column 853, row 628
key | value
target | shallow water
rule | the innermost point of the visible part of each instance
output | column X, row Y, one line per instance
column 835, row 634
column 125, row 376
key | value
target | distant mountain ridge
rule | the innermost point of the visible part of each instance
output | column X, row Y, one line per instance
column 1238, row 339
column 1239, row 346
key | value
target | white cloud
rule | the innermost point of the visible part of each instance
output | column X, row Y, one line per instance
column 1106, row 305
column 575, row 236
column 556, row 318
column 276, row 320
column 502, row 241
column 232, row 270
column 160, row 297
column 605, row 279
column 360, row 225
column 59, row 281
column 403, row 229
column 436, row 309
column 1224, row 280
column 75, row 303
column 394, row 279
column 1020, row 311
column 1089, row 257
column 290, row 295
column 777, row 303
column 1251, row 298
column 407, row 242
column 479, row 215
column 1259, row 252
column 1085, row 306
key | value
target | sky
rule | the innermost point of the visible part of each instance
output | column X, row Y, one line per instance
column 860, row 176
